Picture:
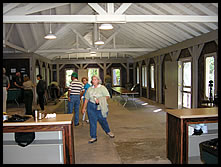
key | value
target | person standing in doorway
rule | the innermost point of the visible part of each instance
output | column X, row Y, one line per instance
column 74, row 91
column 6, row 85
column 96, row 102
column 84, row 80
column 28, row 95
column 41, row 87
column 108, row 84
column 19, row 84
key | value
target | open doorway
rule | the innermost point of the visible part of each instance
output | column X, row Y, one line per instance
column 91, row 72
column 116, row 77
column 68, row 73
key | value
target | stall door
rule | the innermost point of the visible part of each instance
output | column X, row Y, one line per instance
column 172, row 85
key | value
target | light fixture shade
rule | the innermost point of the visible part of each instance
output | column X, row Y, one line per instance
column 99, row 42
column 92, row 52
column 106, row 27
column 50, row 36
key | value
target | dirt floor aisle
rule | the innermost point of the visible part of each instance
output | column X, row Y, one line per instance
column 140, row 135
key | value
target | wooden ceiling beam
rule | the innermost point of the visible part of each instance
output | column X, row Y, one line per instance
column 109, row 19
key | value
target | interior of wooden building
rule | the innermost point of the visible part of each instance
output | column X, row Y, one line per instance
column 167, row 51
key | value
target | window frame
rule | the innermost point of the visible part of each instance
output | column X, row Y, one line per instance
column 206, row 56
column 112, row 69
column 144, row 76
column 89, row 77
column 65, row 76
column 152, row 65
column 138, row 75
column 187, row 60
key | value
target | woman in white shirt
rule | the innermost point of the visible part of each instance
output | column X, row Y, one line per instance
column 93, row 98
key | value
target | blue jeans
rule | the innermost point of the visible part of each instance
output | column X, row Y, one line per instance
column 75, row 102
column 95, row 115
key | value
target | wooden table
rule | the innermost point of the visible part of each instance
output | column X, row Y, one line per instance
column 124, row 93
column 178, row 121
column 62, row 122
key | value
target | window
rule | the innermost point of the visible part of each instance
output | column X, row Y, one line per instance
column 186, row 84
column 152, row 76
column 116, row 77
column 68, row 77
column 91, row 72
column 37, row 72
column 144, row 76
column 209, row 75
column 138, row 78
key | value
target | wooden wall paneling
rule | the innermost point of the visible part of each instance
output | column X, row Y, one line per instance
column 140, row 64
column 147, row 61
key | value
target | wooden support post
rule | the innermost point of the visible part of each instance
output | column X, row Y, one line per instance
column 147, row 61
column 161, row 57
column 57, row 71
column 105, row 70
column 41, row 64
column 140, row 63
column 134, row 72
column 196, row 51
column 128, row 72
column 33, row 76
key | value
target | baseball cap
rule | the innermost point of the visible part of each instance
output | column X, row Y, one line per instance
column 74, row 74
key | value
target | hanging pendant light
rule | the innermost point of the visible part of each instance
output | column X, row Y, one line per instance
column 99, row 42
column 50, row 35
column 106, row 27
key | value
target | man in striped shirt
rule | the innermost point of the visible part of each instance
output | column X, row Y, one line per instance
column 74, row 92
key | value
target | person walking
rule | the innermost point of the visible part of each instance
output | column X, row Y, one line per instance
column 28, row 95
column 96, row 102
column 54, row 91
column 84, row 80
column 74, row 91
column 41, row 87
column 108, row 84
column 6, row 85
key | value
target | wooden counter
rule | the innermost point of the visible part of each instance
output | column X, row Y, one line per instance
column 178, row 121
column 193, row 113
column 60, row 119
column 62, row 122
